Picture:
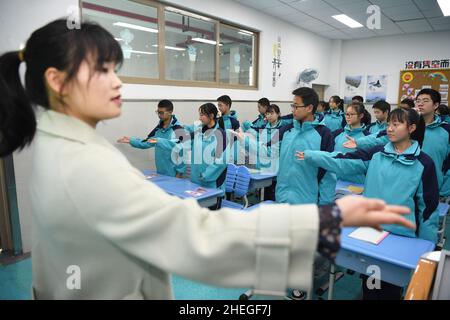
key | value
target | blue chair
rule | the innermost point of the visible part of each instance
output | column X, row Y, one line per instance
column 239, row 189
column 230, row 180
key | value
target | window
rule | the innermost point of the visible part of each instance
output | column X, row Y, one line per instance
column 135, row 26
column 190, row 50
column 236, row 56
column 166, row 45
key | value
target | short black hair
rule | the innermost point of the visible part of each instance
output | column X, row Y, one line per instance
column 358, row 98
column 382, row 105
column 434, row 95
column 409, row 102
column 225, row 99
column 264, row 102
column 167, row 104
column 273, row 108
column 325, row 105
column 209, row 109
column 443, row 110
column 308, row 95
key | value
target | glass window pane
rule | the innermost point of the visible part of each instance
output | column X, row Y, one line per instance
column 236, row 56
column 135, row 26
column 190, row 48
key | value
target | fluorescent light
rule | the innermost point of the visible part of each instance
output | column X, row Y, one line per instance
column 133, row 26
column 343, row 18
column 118, row 39
column 171, row 48
column 206, row 41
column 445, row 7
column 142, row 52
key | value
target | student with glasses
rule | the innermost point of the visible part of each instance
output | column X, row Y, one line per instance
column 165, row 138
column 298, row 183
column 357, row 118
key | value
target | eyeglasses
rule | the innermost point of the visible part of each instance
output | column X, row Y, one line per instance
column 423, row 101
column 294, row 106
column 350, row 114
column 161, row 112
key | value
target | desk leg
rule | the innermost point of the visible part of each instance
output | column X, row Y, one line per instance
column 262, row 194
column 331, row 281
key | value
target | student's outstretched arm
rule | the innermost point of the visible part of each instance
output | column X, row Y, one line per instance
column 349, row 163
column 367, row 142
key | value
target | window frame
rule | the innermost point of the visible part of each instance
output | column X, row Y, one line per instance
column 161, row 8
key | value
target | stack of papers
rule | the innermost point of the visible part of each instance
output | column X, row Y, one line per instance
column 370, row 235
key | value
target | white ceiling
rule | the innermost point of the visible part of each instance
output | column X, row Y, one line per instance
column 397, row 16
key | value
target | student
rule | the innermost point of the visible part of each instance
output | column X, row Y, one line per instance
column 207, row 146
column 334, row 119
column 409, row 179
column 407, row 104
column 381, row 110
column 228, row 121
column 93, row 209
column 261, row 121
column 164, row 138
column 267, row 159
column 322, row 108
column 358, row 99
column 443, row 112
column 436, row 143
column 298, row 183
column 357, row 118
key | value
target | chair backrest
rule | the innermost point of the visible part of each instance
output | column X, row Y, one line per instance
column 242, row 181
column 231, row 177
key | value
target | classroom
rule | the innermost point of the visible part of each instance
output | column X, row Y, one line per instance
column 224, row 150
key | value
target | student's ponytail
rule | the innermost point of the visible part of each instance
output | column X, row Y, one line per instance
column 419, row 133
column 367, row 118
column 17, row 119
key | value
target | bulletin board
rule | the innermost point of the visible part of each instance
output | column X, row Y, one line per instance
column 412, row 81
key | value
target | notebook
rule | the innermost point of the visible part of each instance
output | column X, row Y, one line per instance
column 370, row 235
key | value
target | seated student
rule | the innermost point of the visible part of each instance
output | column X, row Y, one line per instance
column 207, row 144
column 322, row 108
column 443, row 112
column 436, row 142
column 409, row 178
column 228, row 121
column 164, row 138
column 334, row 119
column 358, row 99
column 381, row 110
column 266, row 159
column 407, row 104
column 299, row 183
column 357, row 118
column 260, row 122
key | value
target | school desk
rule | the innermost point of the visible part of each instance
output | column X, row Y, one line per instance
column 182, row 187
